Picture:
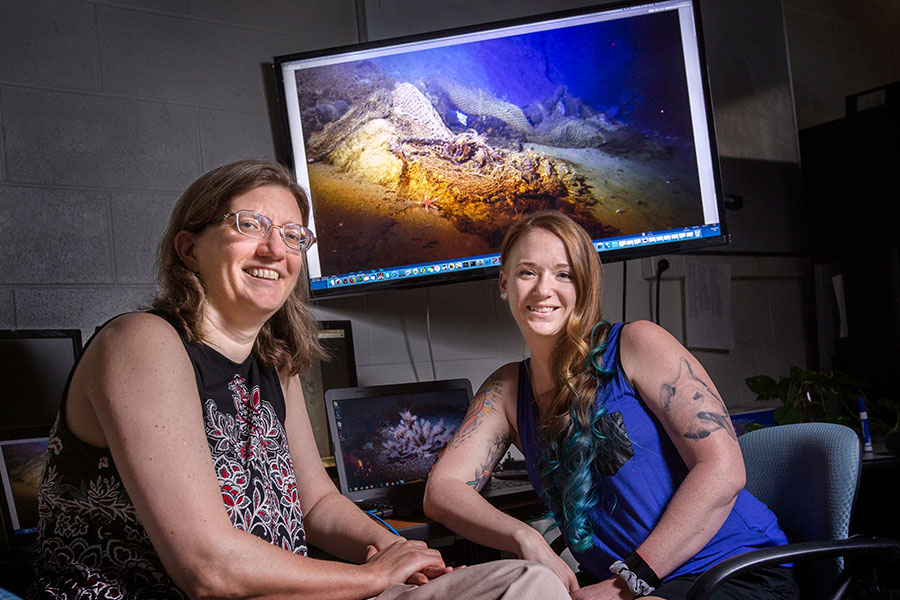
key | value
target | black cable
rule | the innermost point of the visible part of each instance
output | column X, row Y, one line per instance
column 661, row 266
column 624, row 286
column 428, row 334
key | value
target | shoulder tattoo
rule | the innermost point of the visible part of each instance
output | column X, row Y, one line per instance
column 688, row 393
column 484, row 403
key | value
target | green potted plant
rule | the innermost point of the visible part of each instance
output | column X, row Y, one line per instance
column 824, row 395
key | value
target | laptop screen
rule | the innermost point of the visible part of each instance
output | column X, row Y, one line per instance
column 386, row 438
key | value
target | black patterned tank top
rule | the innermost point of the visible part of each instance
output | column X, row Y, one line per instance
column 90, row 541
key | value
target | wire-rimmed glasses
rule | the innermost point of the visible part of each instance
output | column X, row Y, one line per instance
column 258, row 226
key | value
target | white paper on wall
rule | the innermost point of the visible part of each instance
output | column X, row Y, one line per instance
column 708, row 306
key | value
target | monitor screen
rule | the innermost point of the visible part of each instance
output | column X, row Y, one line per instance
column 21, row 465
column 419, row 153
column 35, row 366
column 386, row 438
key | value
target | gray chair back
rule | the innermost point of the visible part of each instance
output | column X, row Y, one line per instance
column 808, row 474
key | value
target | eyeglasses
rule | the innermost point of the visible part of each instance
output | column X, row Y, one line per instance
column 257, row 226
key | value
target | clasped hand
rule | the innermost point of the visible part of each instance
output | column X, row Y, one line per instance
column 406, row 561
column 608, row 589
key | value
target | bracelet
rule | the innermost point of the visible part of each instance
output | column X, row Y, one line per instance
column 637, row 565
column 638, row 586
column 636, row 574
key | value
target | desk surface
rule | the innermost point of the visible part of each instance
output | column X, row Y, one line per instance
column 879, row 452
column 524, row 506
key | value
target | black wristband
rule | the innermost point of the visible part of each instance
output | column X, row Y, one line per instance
column 637, row 565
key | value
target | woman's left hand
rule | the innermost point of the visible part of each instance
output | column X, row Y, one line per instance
column 609, row 589
column 426, row 575
column 420, row 577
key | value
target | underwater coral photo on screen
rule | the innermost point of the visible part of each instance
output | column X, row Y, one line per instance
column 429, row 151
column 398, row 440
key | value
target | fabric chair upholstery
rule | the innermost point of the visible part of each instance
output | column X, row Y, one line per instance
column 808, row 474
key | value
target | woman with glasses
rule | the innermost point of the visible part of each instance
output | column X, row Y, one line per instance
column 625, row 439
column 183, row 463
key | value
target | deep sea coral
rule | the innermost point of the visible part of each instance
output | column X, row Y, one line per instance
column 413, row 437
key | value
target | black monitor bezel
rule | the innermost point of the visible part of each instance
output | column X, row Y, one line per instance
column 12, row 540
column 77, row 348
column 492, row 271
column 346, row 328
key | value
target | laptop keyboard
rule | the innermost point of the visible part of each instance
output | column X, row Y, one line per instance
column 381, row 509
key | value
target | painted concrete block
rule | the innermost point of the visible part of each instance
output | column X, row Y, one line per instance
column 81, row 308
column 2, row 145
column 228, row 136
column 462, row 318
column 330, row 23
column 49, row 44
column 53, row 236
column 139, row 222
column 7, row 310
column 159, row 57
column 71, row 139
column 750, row 311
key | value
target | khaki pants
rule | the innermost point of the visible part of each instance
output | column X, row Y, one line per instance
column 497, row 580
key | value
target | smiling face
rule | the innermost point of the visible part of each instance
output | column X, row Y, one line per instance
column 246, row 279
column 538, row 280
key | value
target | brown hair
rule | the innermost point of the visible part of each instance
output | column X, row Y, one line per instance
column 573, row 383
column 288, row 341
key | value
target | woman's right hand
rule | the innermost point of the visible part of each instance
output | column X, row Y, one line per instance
column 399, row 561
column 533, row 546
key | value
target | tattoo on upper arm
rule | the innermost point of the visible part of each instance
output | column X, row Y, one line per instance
column 484, row 403
column 708, row 412
column 499, row 446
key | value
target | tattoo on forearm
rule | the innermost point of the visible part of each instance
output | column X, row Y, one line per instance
column 501, row 443
column 694, row 396
column 483, row 404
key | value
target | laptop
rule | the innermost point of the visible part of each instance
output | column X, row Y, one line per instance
column 386, row 439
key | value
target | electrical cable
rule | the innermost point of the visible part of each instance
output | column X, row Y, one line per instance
column 624, row 286
column 428, row 334
column 661, row 266
column 372, row 514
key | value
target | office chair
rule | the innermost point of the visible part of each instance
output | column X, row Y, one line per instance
column 808, row 474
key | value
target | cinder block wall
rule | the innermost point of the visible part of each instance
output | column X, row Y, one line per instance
column 839, row 48
column 109, row 109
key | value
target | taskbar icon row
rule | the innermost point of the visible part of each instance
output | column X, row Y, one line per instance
column 414, row 271
column 647, row 238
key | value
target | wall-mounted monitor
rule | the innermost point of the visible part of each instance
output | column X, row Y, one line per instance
column 419, row 153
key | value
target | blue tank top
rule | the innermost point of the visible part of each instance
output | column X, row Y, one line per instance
column 634, row 497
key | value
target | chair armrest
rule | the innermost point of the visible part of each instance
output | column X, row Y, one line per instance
column 885, row 549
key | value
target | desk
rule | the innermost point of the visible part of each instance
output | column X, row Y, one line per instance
column 457, row 550
column 877, row 511
column 524, row 506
